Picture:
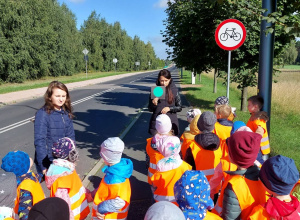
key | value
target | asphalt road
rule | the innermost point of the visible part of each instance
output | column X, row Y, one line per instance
column 102, row 110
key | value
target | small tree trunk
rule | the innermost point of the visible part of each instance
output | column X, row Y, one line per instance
column 244, row 99
column 215, row 81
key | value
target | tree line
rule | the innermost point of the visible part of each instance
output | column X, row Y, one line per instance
column 190, row 33
column 39, row 38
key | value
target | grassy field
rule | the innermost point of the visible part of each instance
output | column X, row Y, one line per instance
column 289, row 67
column 285, row 117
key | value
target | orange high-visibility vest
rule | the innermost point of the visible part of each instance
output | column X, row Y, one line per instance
column 185, row 145
column 249, row 194
column 224, row 148
column 222, row 131
column 165, row 181
column 112, row 191
column 227, row 166
column 205, row 160
column 264, row 143
column 35, row 189
column 154, row 156
column 79, row 205
column 211, row 216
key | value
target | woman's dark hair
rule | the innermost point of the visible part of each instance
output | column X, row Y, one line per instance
column 166, row 73
column 48, row 103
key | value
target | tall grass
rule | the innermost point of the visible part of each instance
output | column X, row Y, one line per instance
column 285, row 117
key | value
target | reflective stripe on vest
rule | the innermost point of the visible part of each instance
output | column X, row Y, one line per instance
column 79, row 209
column 154, row 157
column 264, row 143
column 209, row 172
column 205, row 160
column 164, row 198
column 77, row 196
column 152, row 165
column 76, row 193
column 111, row 191
column 218, row 208
column 150, row 174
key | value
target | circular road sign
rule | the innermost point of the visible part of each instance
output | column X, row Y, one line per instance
column 230, row 34
column 115, row 60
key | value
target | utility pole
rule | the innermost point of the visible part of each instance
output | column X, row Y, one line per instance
column 266, row 55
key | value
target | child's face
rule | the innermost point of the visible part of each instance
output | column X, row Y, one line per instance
column 252, row 108
column 58, row 98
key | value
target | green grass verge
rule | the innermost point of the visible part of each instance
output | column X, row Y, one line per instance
column 289, row 67
column 284, row 131
column 33, row 84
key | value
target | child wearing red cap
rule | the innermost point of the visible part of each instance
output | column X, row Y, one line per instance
column 242, row 190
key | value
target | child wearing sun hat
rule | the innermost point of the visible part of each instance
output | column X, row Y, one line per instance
column 192, row 193
column 29, row 190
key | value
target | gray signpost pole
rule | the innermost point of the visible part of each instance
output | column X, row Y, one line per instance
column 85, row 52
column 266, row 54
column 115, row 62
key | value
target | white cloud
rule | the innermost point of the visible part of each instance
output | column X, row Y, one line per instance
column 162, row 3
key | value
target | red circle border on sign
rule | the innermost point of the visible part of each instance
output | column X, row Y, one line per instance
column 225, row 22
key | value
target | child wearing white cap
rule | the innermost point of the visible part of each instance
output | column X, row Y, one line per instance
column 112, row 198
column 163, row 126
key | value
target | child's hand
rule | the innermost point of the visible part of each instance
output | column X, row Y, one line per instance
column 100, row 216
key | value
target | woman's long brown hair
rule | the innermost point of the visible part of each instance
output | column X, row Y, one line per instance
column 48, row 103
column 166, row 73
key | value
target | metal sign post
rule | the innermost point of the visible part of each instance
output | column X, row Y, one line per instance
column 230, row 35
column 137, row 64
column 85, row 52
column 115, row 62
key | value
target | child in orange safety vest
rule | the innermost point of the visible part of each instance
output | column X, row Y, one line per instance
column 279, row 174
column 29, row 190
column 225, row 164
column 223, row 100
column 257, row 123
column 8, row 194
column 188, row 136
column 163, row 126
column 112, row 198
column 63, row 181
column 192, row 193
column 223, row 125
column 204, row 152
column 242, row 189
column 169, row 169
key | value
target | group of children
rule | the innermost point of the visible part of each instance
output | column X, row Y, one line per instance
column 218, row 169
column 22, row 197
column 221, row 168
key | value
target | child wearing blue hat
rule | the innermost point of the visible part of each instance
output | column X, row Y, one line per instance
column 192, row 193
column 29, row 190
column 279, row 174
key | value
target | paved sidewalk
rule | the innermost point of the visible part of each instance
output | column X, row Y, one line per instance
column 14, row 97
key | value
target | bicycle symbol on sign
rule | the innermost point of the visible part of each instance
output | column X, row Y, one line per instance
column 234, row 35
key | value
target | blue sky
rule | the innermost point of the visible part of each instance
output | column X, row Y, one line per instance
column 143, row 18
